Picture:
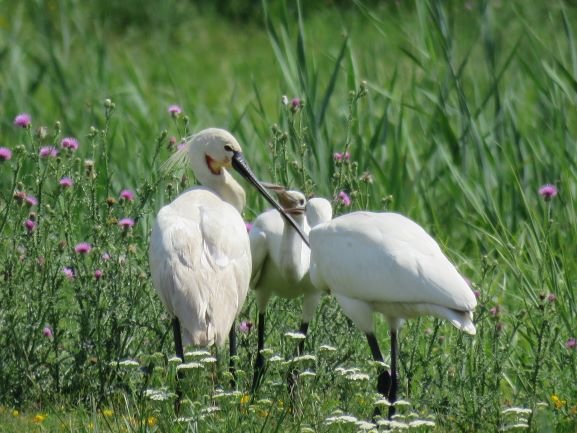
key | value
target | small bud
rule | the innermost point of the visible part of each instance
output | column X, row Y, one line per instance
column 42, row 132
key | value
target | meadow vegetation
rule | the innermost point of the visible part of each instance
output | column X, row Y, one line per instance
column 456, row 114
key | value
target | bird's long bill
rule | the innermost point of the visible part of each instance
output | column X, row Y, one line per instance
column 240, row 165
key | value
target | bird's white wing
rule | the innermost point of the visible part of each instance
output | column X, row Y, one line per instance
column 385, row 258
column 200, row 265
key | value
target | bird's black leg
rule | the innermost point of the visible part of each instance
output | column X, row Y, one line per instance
column 180, row 354
column 259, row 362
column 232, row 354
column 384, row 379
column 303, row 330
column 394, row 377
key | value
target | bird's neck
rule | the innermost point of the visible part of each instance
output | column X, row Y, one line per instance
column 292, row 265
column 229, row 190
column 223, row 184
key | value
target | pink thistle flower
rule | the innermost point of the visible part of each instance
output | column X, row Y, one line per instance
column 5, row 154
column 296, row 102
column 68, row 273
column 48, row 151
column 66, row 182
column 174, row 110
column 126, row 223
column 19, row 196
column 82, row 248
column 344, row 198
column 23, row 120
column 338, row 156
column 477, row 294
column 245, row 326
column 548, row 191
column 571, row 343
column 69, row 143
column 30, row 225
column 495, row 311
column 248, row 226
column 105, row 257
column 551, row 297
column 47, row 332
column 127, row 195
column 31, row 200
column 98, row 274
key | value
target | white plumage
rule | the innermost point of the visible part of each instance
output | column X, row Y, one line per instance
column 384, row 262
column 200, row 264
column 281, row 260
column 199, row 254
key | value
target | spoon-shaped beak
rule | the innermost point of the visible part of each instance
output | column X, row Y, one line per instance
column 240, row 165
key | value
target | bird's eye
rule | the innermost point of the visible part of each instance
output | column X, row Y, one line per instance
column 301, row 202
column 227, row 148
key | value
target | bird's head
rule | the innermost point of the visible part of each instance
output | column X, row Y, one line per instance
column 221, row 150
column 217, row 146
column 293, row 202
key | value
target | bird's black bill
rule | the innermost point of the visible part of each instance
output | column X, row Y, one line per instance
column 240, row 165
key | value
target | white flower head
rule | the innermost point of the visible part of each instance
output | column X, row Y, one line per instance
column 189, row 366
column 295, row 335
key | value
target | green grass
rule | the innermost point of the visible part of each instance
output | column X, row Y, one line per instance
column 454, row 113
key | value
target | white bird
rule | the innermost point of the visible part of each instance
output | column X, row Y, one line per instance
column 386, row 263
column 199, row 253
column 280, row 261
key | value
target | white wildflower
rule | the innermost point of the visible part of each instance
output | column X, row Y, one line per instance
column 276, row 358
column 517, row 411
column 358, row 377
column 392, row 424
column 158, row 394
column 422, row 423
column 284, row 100
column 210, row 409
column 128, row 363
column 307, row 373
column 341, row 419
column 365, row 425
column 327, row 348
column 208, row 360
column 189, row 366
column 197, row 354
column 295, row 335
column 382, row 402
column 266, row 352
column 174, row 360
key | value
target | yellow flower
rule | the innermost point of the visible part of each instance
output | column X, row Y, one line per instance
column 39, row 418
column 107, row 412
column 557, row 402
column 15, row 413
column 151, row 421
column 244, row 399
column 263, row 413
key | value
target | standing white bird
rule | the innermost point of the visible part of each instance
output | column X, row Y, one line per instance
column 280, row 261
column 199, row 254
column 386, row 263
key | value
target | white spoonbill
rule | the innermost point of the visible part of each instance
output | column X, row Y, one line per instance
column 280, row 261
column 386, row 263
column 199, row 254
